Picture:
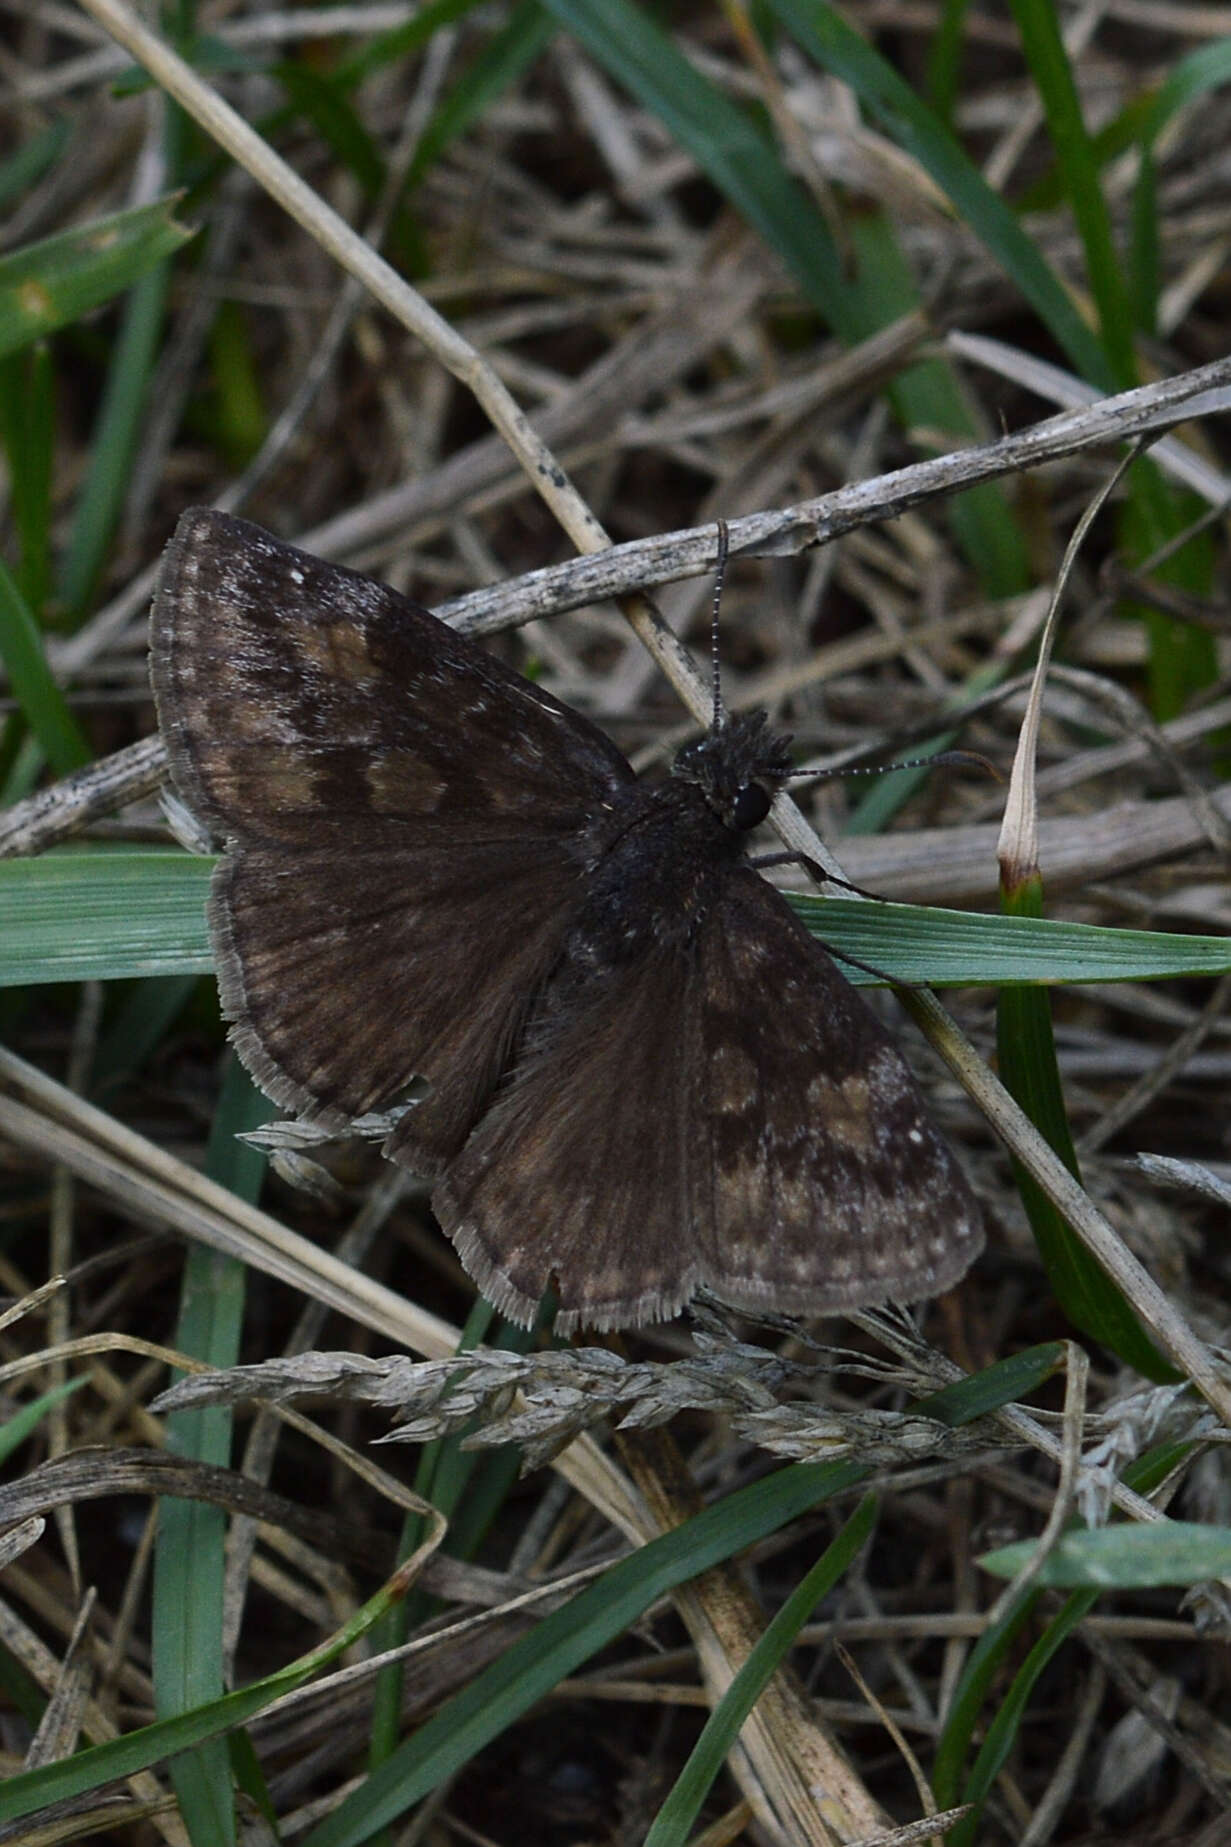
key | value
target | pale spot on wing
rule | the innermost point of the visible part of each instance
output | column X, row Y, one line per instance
column 287, row 781
column 341, row 651
column 401, row 782
column 251, row 722
column 844, row 1108
column 796, row 1206
column 734, row 1080
column 888, row 1078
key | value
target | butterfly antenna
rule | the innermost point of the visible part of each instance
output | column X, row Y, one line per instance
column 965, row 759
column 720, row 572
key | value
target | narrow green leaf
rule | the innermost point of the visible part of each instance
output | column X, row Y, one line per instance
column 1207, row 68
column 1003, row 1730
column 827, row 37
column 46, row 285
column 110, row 914
column 442, row 1476
column 1145, row 271
column 138, row 1021
column 97, row 915
column 28, row 432
column 506, row 57
column 396, row 45
column 502, row 1692
column 534, row 1665
column 322, row 101
column 116, row 434
column 512, row 1684
column 928, row 396
column 25, row 1420
column 26, row 165
column 239, row 421
column 674, row 1820
column 1005, row 1382
column 1028, row 1069
column 944, row 59
column 1049, row 63
column 189, row 1557
column 33, row 1790
column 1124, row 1556
column 728, row 144
column 42, row 703
column 984, row 1667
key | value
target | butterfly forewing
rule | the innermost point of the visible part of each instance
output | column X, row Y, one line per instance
column 406, row 818
column 296, row 696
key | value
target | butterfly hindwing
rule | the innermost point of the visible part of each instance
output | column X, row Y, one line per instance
column 579, row 1171
column 778, row 1153
column 343, row 987
column 827, row 1184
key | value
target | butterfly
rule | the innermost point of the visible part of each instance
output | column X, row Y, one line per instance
column 644, row 1075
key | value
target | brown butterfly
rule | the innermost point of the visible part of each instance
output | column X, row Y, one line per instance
column 645, row 1075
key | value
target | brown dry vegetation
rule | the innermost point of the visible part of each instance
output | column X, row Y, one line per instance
column 680, row 370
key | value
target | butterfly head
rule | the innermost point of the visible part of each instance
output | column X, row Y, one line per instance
column 739, row 768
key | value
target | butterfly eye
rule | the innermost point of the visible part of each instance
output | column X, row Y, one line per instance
column 750, row 807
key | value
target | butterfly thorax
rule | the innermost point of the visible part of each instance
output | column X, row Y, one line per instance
column 663, row 863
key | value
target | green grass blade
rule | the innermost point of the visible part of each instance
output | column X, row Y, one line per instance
column 1004, row 1382
column 945, row 59
column 536, row 1663
column 674, row 1820
column 825, row 35
column 237, row 423
column 928, row 396
column 23, row 1422
column 938, row 948
column 983, row 1671
column 26, row 165
column 90, row 1769
column 1002, row 1732
column 400, row 42
column 1028, row 1069
column 114, row 913
column 137, row 1022
column 320, row 100
column 46, row 285
column 441, row 1478
column 729, row 145
column 189, row 1556
column 533, row 1666
column 89, row 915
column 42, row 704
column 507, row 56
column 28, row 431
column 603, row 1612
column 1053, row 76
column 1124, row 1557
column 115, row 438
